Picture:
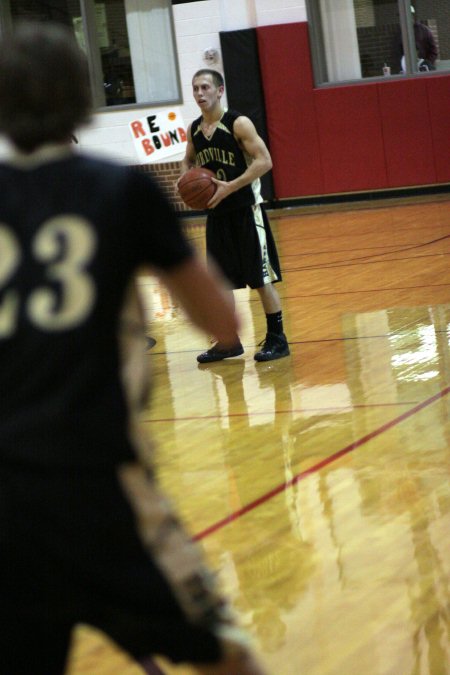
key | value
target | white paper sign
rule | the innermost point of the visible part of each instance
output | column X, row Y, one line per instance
column 159, row 135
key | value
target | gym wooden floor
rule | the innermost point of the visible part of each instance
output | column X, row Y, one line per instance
column 319, row 484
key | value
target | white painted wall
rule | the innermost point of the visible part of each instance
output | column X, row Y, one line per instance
column 197, row 27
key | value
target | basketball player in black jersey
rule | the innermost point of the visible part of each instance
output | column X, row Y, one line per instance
column 85, row 534
column 238, row 235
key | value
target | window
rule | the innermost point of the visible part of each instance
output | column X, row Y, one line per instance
column 355, row 39
column 129, row 44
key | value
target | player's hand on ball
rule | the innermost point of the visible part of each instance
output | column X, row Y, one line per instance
column 196, row 187
column 223, row 190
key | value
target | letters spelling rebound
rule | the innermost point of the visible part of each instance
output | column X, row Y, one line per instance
column 158, row 139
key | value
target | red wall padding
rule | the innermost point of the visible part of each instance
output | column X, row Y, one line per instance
column 350, row 138
column 360, row 137
column 438, row 90
column 406, row 131
column 290, row 115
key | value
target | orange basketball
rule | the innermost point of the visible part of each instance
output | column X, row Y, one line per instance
column 196, row 187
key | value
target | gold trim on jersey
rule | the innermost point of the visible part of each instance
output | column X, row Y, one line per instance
column 46, row 153
column 269, row 274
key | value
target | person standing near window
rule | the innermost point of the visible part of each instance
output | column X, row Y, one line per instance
column 427, row 51
column 425, row 44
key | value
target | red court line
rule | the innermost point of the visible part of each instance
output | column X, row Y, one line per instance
column 289, row 411
column 320, row 465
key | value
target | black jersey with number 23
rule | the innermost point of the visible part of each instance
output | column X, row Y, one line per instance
column 72, row 231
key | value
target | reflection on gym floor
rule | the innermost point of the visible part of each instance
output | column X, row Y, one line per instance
column 319, row 483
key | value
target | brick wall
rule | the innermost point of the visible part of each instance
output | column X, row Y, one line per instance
column 364, row 12
column 379, row 45
column 386, row 12
column 167, row 175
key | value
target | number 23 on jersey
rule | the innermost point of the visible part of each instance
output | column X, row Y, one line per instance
column 64, row 246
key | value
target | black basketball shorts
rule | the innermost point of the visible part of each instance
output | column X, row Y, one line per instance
column 242, row 245
column 100, row 547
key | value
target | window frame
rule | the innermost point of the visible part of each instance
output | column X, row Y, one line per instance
column 87, row 10
column 318, row 59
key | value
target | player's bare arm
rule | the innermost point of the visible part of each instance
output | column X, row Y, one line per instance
column 261, row 162
column 204, row 296
column 189, row 158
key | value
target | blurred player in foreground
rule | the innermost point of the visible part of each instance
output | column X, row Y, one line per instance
column 85, row 533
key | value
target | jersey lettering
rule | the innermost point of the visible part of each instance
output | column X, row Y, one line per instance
column 65, row 246
column 222, row 153
column 9, row 262
column 218, row 154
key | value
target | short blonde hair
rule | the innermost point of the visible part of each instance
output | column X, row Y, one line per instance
column 216, row 76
